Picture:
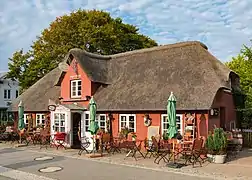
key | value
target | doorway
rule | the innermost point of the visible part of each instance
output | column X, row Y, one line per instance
column 76, row 127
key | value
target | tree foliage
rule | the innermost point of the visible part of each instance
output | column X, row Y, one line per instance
column 242, row 65
column 94, row 31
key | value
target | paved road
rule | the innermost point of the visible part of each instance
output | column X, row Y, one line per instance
column 20, row 164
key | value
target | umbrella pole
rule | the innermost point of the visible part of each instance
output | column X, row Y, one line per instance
column 173, row 149
column 93, row 145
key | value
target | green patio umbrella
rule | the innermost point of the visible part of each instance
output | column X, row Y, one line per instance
column 171, row 115
column 93, row 127
column 21, row 124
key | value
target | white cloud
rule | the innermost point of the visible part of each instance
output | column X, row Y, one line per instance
column 223, row 25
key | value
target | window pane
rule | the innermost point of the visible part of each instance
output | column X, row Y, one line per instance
column 123, row 118
column 102, row 118
column 62, row 116
column 56, row 129
column 5, row 94
column 43, row 121
column 79, row 83
column 56, row 123
column 86, row 116
column 62, row 123
column 79, row 93
column 131, row 118
column 123, row 124
column 56, row 116
column 43, row 116
column 102, row 123
column 131, row 129
column 62, row 129
column 131, row 125
column 166, row 126
column 38, row 122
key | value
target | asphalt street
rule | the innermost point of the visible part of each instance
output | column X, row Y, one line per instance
column 27, row 165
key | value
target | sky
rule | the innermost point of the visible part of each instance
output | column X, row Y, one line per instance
column 223, row 25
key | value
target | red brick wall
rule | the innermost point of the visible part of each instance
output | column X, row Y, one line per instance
column 223, row 99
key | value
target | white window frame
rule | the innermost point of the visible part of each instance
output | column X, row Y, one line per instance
column 127, row 121
column 59, row 126
column 26, row 116
column 40, row 119
column 86, row 126
column 181, row 130
column 76, row 88
column 8, row 94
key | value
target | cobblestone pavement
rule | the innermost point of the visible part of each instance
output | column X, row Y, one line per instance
column 20, row 161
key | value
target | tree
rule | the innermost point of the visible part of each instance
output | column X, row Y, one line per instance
column 242, row 65
column 94, row 31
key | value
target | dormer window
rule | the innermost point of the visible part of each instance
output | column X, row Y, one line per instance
column 75, row 88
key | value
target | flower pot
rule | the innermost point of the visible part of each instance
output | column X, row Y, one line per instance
column 219, row 159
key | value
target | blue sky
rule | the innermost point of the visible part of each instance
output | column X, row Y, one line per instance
column 223, row 25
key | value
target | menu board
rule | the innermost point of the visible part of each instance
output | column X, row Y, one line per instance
column 153, row 131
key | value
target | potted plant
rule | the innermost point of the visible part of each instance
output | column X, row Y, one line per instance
column 134, row 136
column 216, row 145
column 124, row 132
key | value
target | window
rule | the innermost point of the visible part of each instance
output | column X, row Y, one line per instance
column 59, row 122
column 17, row 93
column 40, row 119
column 26, row 119
column 75, row 88
column 127, row 120
column 165, row 124
column 100, row 118
column 7, row 94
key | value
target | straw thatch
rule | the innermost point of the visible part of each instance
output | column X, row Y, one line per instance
column 36, row 97
column 143, row 79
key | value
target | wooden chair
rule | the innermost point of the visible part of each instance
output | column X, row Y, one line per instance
column 105, row 142
column 193, row 154
column 150, row 148
column 85, row 143
column 161, row 151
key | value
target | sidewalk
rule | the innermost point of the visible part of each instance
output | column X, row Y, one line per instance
column 239, row 169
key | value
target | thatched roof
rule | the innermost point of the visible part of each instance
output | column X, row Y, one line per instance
column 36, row 98
column 143, row 79
column 94, row 65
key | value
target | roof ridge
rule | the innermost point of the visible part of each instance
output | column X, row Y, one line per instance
column 161, row 47
column 144, row 50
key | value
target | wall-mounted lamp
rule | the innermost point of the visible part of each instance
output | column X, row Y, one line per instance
column 88, row 98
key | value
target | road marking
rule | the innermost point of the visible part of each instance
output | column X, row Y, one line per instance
column 20, row 175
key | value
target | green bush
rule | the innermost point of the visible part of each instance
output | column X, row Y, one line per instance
column 217, row 143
